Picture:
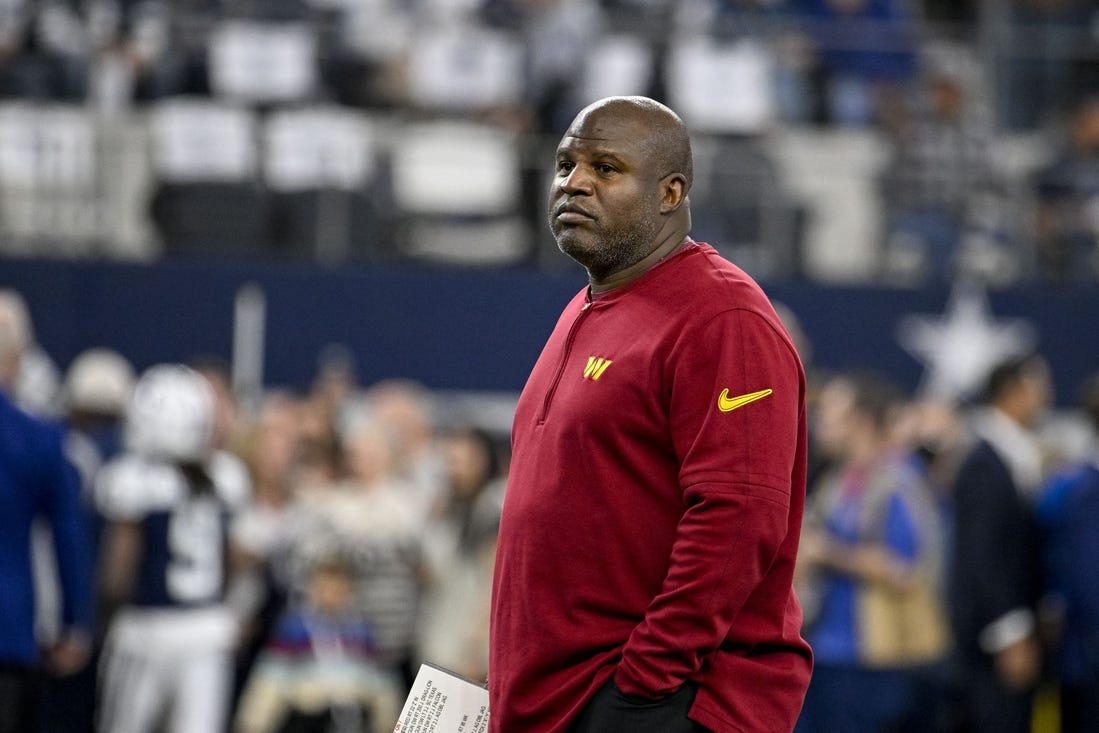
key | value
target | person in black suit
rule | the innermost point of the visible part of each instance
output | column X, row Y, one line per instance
column 996, row 579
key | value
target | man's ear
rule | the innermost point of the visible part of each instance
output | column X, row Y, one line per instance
column 673, row 192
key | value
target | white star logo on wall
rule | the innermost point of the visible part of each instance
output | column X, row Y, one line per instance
column 960, row 348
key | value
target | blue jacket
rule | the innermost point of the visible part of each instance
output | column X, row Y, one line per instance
column 1069, row 514
column 37, row 481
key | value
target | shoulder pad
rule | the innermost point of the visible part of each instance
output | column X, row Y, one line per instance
column 131, row 486
column 231, row 479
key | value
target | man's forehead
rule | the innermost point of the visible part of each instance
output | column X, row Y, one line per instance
column 603, row 123
column 593, row 131
column 598, row 147
column 593, row 142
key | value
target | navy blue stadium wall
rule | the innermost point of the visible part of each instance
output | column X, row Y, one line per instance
column 468, row 329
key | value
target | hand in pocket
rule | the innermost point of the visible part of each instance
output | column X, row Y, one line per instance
column 613, row 711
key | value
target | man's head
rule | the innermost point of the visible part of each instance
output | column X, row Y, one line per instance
column 856, row 414
column 332, row 583
column 622, row 173
column 15, row 335
column 1021, row 388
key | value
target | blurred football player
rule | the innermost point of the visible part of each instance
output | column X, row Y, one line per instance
column 168, row 501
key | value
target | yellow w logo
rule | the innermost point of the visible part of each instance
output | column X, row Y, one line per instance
column 596, row 366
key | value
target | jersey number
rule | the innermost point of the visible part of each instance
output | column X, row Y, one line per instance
column 196, row 570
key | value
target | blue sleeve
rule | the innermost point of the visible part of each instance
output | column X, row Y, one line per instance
column 61, row 504
column 1082, row 534
column 901, row 533
column 1051, row 507
column 1053, row 512
column 290, row 633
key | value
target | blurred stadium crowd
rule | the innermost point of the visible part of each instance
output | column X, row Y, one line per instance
column 355, row 531
column 897, row 141
column 352, row 535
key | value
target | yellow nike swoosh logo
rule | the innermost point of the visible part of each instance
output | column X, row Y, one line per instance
column 725, row 403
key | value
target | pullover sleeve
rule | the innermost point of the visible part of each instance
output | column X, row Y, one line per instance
column 736, row 407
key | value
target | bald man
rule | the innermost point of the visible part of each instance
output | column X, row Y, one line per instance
column 644, row 569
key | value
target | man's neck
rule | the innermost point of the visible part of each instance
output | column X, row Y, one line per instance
column 1013, row 415
column 617, row 279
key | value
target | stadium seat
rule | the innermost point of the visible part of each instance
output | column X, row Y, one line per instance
column 208, row 198
column 262, row 62
column 835, row 174
column 619, row 64
column 463, row 67
column 723, row 88
column 457, row 186
column 48, row 179
column 320, row 167
column 740, row 206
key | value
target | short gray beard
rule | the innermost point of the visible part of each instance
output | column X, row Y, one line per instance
column 619, row 249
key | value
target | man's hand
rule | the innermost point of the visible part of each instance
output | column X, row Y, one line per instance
column 71, row 653
column 1019, row 664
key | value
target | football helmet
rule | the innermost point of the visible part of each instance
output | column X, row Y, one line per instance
column 99, row 381
column 171, row 414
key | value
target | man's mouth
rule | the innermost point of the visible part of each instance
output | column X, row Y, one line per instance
column 572, row 214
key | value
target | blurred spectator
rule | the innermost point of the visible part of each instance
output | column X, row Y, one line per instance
column 460, row 541
column 940, row 168
column 1068, row 511
column 317, row 672
column 996, row 569
column 825, row 408
column 405, row 410
column 226, row 414
column 35, row 384
column 936, row 433
column 363, row 51
column 36, row 481
column 97, row 390
column 43, row 55
column 169, row 500
column 270, row 451
column 320, row 461
column 335, row 384
column 38, row 383
column 866, row 55
column 871, row 566
column 263, row 532
column 1067, row 222
column 369, row 514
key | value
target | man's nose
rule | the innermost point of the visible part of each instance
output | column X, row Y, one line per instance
column 578, row 181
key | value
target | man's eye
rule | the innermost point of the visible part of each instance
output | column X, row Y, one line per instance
column 604, row 168
column 564, row 166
